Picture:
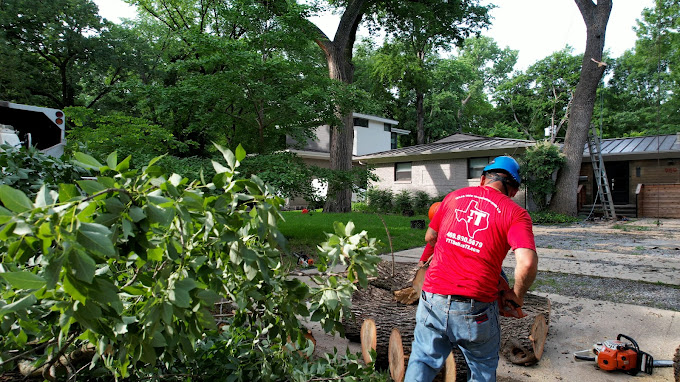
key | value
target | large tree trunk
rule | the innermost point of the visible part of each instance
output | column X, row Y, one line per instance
column 596, row 18
column 339, row 58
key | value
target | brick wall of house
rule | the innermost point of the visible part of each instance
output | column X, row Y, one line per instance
column 437, row 178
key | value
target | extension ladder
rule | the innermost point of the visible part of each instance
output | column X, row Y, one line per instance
column 603, row 190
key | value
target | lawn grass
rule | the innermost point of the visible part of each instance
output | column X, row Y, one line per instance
column 305, row 231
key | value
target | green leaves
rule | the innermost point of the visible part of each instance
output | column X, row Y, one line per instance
column 14, row 200
column 96, row 238
column 23, row 280
column 139, row 267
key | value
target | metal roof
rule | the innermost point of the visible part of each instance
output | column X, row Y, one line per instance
column 457, row 143
column 638, row 145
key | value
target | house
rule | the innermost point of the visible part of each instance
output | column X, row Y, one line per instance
column 643, row 174
column 371, row 134
column 442, row 166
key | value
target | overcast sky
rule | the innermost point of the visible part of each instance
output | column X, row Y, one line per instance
column 536, row 28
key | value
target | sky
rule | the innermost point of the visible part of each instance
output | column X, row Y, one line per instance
column 535, row 28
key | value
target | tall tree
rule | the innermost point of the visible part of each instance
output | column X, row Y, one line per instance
column 640, row 98
column 596, row 17
column 541, row 96
column 54, row 45
column 468, row 17
column 236, row 72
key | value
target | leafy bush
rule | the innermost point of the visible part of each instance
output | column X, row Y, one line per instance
column 537, row 166
column 28, row 169
column 403, row 203
column 361, row 207
column 284, row 171
column 547, row 217
column 380, row 200
column 126, row 267
column 421, row 202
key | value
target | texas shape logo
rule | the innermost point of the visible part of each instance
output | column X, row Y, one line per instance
column 475, row 219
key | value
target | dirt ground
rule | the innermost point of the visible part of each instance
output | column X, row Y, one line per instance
column 645, row 251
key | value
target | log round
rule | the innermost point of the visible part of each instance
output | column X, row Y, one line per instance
column 396, row 356
column 368, row 339
column 523, row 339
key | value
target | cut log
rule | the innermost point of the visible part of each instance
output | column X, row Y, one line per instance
column 379, row 305
column 368, row 339
column 396, row 357
column 403, row 275
column 523, row 340
column 418, row 280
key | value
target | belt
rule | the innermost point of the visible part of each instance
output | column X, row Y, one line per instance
column 458, row 298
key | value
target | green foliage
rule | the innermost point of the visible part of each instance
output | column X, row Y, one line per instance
column 380, row 200
column 548, row 217
column 129, row 264
column 284, row 171
column 538, row 164
column 403, row 203
column 422, row 202
column 103, row 134
column 28, row 169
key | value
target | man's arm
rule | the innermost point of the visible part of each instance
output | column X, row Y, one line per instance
column 431, row 236
column 525, row 271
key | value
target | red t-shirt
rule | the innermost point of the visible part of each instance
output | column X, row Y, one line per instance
column 476, row 226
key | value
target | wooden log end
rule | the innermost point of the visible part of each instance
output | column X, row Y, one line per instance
column 539, row 334
column 406, row 296
column 396, row 356
column 418, row 280
column 369, row 339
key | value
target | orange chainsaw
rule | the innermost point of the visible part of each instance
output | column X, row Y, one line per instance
column 615, row 354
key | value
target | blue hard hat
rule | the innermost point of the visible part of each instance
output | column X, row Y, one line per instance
column 506, row 164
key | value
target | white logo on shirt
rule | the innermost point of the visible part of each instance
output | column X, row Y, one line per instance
column 475, row 219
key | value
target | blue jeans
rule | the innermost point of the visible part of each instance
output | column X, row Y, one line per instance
column 442, row 323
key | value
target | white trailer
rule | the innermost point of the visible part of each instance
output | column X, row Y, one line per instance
column 41, row 127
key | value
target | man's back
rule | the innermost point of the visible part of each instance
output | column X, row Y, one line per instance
column 476, row 227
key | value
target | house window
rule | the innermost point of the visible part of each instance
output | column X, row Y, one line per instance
column 476, row 166
column 388, row 127
column 362, row 122
column 393, row 141
column 402, row 171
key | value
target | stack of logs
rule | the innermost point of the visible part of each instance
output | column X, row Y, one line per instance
column 384, row 319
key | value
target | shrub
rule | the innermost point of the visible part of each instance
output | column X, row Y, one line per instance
column 403, row 203
column 421, row 202
column 380, row 200
column 537, row 166
column 285, row 172
column 126, row 267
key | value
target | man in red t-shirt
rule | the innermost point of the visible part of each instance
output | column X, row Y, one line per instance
column 471, row 233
